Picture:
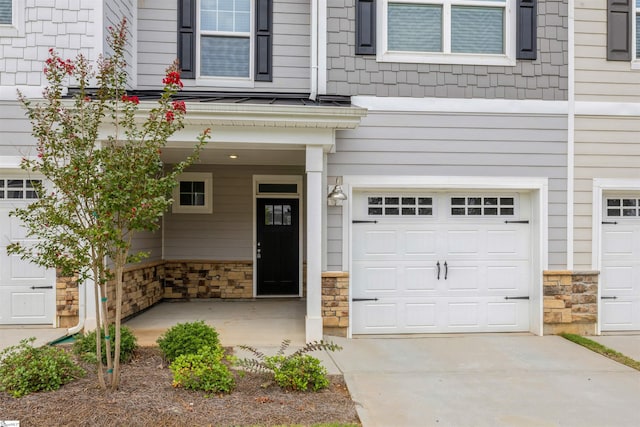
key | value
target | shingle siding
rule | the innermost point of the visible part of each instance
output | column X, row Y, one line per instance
column 544, row 78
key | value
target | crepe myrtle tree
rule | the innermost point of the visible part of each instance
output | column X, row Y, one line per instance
column 99, row 191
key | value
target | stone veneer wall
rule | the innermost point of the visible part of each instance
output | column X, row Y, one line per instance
column 335, row 303
column 208, row 279
column 142, row 289
column 67, row 301
column 570, row 302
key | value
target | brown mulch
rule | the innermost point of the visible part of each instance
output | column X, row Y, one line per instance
column 146, row 398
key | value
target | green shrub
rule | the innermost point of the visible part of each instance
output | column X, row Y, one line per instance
column 203, row 371
column 26, row 369
column 85, row 345
column 187, row 338
column 297, row 371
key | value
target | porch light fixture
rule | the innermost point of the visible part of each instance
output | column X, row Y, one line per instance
column 336, row 195
column 233, row 156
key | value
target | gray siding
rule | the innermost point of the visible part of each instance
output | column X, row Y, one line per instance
column 15, row 139
column 544, row 78
column 148, row 242
column 157, row 44
column 428, row 144
column 114, row 11
column 227, row 233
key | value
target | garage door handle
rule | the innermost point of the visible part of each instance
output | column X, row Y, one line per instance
column 610, row 222
column 364, row 299
column 524, row 221
column 446, row 270
column 438, row 265
column 516, row 297
column 42, row 287
column 608, row 297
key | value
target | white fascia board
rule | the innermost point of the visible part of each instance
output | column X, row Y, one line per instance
column 461, row 105
column 586, row 108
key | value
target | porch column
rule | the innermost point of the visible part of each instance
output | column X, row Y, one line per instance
column 313, row 320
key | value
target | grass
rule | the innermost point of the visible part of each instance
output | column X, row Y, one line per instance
column 603, row 350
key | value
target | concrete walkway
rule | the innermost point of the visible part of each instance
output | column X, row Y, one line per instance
column 487, row 380
column 12, row 335
column 627, row 344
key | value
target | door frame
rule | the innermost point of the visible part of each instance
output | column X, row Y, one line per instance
column 278, row 179
column 538, row 187
column 600, row 187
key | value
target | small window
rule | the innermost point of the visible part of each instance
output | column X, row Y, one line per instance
column 623, row 207
column 6, row 9
column 399, row 205
column 19, row 189
column 478, row 206
column 193, row 193
column 277, row 215
column 12, row 20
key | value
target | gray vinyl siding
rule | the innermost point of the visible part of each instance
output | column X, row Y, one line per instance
column 543, row 78
column 114, row 11
column 428, row 144
column 605, row 147
column 227, row 233
column 148, row 242
column 157, row 44
column 15, row 139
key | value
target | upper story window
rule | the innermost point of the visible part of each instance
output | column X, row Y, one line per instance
column 225, row 42
column 447, row 31
column 6, row 8
column 225, row 38
column 12, row 18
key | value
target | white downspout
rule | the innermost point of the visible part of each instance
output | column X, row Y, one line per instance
column 314, row 50
column 571, row 138
column 82, row 289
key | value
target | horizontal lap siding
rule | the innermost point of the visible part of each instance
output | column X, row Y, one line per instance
column 157, row 44
column 605, row 147
column 16, row 139
column 227, row 233
column 597, row 79
column 430, row 144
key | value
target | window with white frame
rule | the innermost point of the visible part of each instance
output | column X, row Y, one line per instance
column 448, row 31
column 193, row 194
column 12, row 18
column 6, row 10
column 19, row 189
column 225, row 38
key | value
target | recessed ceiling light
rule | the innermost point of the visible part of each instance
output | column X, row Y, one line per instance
column 233, row 156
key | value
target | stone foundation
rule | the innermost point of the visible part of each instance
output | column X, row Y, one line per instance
column 67, row 301
column 570, row 302
column 208, row 279
column 335, row 303
column 142, row 288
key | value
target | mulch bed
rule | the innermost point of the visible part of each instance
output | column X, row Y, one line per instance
column 146, row 398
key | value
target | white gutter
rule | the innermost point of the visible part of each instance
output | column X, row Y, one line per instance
column 314, row 50
column 571, row 137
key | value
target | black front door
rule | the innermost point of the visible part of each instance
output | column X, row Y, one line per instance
column 277, row 248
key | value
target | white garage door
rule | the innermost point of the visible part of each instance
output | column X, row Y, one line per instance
column 620, row 272
column 27, row 291
column 440, row 263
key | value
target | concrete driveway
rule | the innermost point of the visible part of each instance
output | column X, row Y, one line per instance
column 486, row 380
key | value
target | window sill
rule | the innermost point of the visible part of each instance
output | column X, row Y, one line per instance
column 635, row 64
column 10, row 31
column 450, row 58
column 220, row 82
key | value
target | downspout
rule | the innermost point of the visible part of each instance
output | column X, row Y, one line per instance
column 314, row 50
column 571, row 114
column 81, row 311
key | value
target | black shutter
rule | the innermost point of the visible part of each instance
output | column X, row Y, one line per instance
column 187, row 38
column 526, row 29
column 264, row 31
column 619, row 30
column 365, row 27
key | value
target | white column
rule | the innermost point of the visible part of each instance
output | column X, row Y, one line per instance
column 313, row 320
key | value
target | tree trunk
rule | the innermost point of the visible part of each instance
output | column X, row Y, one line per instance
column 99, row 367
column 115, row 381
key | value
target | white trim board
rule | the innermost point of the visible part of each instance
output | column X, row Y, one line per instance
column 539, row 220
column 461, row 105
column 587, row 108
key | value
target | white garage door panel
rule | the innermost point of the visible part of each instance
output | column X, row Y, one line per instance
column 27, row 291
column 620, row 273
column 439, row 273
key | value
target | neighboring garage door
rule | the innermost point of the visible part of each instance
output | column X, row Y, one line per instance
column 440, row 262
column 620, row 272
column 27, row 294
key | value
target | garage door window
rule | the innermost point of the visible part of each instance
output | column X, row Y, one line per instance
column 400, row 205
column 18, row 189
column 475, row 206
column 623, row 207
